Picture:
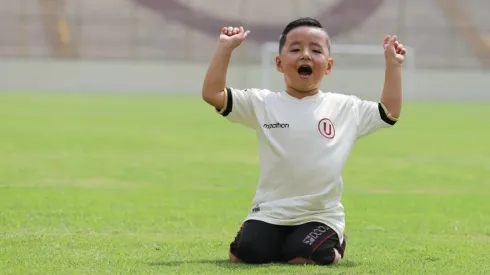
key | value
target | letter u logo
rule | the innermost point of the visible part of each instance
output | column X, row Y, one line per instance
column 326, row 128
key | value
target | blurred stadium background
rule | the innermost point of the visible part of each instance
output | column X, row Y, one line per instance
column 164, row 45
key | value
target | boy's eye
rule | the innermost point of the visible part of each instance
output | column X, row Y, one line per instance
column 295, row 50
column 317, row 51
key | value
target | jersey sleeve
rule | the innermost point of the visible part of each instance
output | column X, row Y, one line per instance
column 241, row 106
column 371, row 116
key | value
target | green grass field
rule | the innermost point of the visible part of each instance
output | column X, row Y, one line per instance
column 99, row 184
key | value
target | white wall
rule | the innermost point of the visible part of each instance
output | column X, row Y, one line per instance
column 106, row 76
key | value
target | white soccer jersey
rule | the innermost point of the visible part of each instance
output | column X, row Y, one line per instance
column 303, row 146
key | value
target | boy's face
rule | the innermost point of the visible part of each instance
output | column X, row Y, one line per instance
column 305, row 59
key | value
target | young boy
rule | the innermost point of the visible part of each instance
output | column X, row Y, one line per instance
column 304, row 136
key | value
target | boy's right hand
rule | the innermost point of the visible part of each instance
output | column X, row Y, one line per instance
column 232, row 37
column 215, row 81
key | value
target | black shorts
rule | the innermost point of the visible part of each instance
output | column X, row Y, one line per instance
column 258, row 242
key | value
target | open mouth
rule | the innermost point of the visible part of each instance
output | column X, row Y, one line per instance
column 305, row 70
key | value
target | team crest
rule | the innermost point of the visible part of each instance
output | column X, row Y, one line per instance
column 326, row 128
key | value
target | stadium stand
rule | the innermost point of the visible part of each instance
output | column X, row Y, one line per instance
column 445, row 33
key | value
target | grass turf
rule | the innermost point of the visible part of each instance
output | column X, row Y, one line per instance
column 160, row 185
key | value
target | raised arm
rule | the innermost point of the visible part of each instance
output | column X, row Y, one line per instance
column 213, row 89
column 391, row 97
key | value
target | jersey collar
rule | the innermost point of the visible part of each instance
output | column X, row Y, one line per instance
column 308, row 98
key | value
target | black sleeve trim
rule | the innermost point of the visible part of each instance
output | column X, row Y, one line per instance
column 228, row 103
column 384, row 116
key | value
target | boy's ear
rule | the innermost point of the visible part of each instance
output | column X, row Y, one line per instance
column 279, row 64
column 329, row 66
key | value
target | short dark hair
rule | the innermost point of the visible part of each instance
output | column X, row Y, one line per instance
column 301, row 22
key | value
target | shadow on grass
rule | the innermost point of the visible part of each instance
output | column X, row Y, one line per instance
column 229, row 265
column 220, row 263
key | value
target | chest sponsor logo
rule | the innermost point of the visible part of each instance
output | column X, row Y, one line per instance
column 276, row 125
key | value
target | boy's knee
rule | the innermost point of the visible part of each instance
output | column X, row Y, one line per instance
column 319, row 257
column 326, row 256
column 251, row 253
column 313, row 243
column 301, row 261
column 233, row 258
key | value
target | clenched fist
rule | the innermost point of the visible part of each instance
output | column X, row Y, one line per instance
column 232, row 37
column 394, row 51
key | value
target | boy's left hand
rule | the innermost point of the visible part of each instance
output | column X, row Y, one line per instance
column 394, row 50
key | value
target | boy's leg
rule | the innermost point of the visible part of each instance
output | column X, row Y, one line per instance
column 314, row 243
column 258, row 242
